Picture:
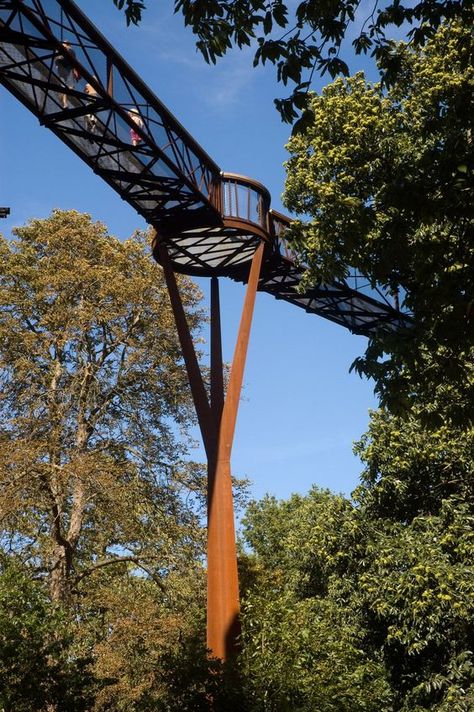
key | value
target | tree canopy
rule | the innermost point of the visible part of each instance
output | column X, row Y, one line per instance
column 308, row 36
column 93, row 390
column 344, row 610
column 305, row 645
column 100, row 507
column 36, row 665
column 367, row 603
column 385, row 178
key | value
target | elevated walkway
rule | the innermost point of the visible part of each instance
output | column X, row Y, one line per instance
column 62, row 69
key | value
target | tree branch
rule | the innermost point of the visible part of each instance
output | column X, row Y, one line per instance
column 119, row 560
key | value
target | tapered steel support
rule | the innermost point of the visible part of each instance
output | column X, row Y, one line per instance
column 222, row 578
column 201, row 403
column 217, row 369
column 217, row 423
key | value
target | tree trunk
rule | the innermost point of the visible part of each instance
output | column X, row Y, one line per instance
column 60, row 571
column 64, row 544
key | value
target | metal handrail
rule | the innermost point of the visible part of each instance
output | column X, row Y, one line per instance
column 245, row 199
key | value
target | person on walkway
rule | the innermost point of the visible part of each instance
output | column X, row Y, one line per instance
column 66, row 71
column 90, row 120
column 138, row 121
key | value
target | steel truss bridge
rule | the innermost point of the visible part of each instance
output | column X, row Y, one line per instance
column 207, row 223
column 210, row 221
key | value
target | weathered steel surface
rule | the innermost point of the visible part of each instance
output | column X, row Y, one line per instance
column 217, row 373
column 201, row 402
column 222, row 579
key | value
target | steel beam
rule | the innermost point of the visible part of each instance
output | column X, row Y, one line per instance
column 222, row 577
column 201, row 402
column 217, row 373
column 217, row 421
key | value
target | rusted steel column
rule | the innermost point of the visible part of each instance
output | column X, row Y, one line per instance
column 222, row 579
column 234, row 387
column 201, row 403
column 217, row 373
column 217, row 383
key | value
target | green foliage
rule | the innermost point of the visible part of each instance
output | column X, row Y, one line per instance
column 309, row 655
column 38, row 664
column 305, row 540
column 412, row 469
column 346, row 611
column 305, row 645
column 299, row 39
column 386, row 179
column 419, row 594
column 133, row 10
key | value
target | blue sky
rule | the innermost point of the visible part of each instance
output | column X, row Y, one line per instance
column 301, row 409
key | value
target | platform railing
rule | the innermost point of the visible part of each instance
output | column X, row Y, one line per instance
column 245, row 199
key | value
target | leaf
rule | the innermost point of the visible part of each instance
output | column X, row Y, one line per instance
column 267, row 22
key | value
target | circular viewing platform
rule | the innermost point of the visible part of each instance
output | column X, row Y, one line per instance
column 225, row 249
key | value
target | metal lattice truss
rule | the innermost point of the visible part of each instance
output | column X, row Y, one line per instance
column 219, row 251
column 359, row 313
column 58, row 64
column 353, row 302
column 61, row 68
